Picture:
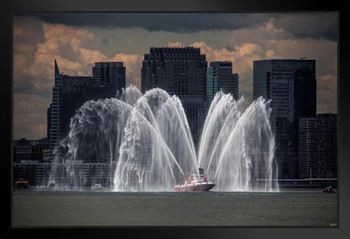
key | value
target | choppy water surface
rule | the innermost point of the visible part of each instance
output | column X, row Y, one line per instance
column 285, row 208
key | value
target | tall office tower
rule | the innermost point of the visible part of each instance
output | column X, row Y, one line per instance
column 109, row 73
column 220, row 77
column 303, row 104
column 181, row 72
column 71, row 92
column 291, row 86
column 63, row 104
column 318, row 146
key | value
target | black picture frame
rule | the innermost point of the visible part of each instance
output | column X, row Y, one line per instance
column 8, row 7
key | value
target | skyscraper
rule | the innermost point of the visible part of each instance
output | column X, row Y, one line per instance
column 181, row 71
column 109, row 73
column 291, row 86
column 71, row 92
column 318, row 146
column 220, row 77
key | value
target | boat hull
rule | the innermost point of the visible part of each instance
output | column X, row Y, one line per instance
column 195, row 188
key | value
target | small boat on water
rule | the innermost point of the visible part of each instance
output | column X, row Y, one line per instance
column 21, row 183
column 96, row 187
column 329, row 189
column 194, row 183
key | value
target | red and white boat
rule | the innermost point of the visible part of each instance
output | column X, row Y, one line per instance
column 195, row 183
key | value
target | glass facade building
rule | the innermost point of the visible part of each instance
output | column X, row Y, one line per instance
column 106, row 73
column 291, row 86
column 318, row 146
column 220, row 77
column 181, row 71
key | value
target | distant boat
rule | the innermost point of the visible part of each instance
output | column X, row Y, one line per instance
column 21, row 183
column 329, row 189
column 96, row 187
column 194, row 183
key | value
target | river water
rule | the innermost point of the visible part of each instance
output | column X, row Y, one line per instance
column 286, row 208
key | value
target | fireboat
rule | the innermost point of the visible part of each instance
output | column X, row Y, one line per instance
column 194, row 183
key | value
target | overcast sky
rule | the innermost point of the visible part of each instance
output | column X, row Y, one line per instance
column 78, row 40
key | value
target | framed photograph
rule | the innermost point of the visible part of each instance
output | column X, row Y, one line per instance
column 202, row 118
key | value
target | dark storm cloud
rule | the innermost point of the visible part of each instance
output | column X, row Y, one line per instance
column 174, row 22
column 311, row 25
column 306, row 25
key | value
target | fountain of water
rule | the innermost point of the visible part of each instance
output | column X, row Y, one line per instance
column 237, row 145
column 146, row 144
column 96, row 132
column 157, row 147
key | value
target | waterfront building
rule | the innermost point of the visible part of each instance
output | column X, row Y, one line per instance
column 181, row 71
column 31, row 160
column 290, row 84
column 22, row 150
column 35, row 150
column 220, row 77
column 318, row 146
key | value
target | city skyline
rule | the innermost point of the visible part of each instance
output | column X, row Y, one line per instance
column 77, row 43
